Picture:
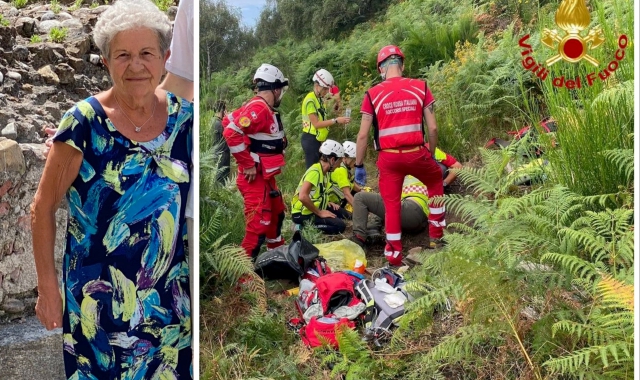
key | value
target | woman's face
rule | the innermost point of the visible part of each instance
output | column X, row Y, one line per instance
column 136, row 63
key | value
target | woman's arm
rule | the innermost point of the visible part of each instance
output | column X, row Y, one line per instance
column 317, row 124
column 304, row 197
column 61, row 169
column 347, row 195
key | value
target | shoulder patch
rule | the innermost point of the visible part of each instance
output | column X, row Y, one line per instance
column 244, row 121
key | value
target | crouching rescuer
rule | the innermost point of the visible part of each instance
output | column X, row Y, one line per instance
column 256, row 139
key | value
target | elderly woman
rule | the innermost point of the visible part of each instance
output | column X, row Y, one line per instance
column 122, row 159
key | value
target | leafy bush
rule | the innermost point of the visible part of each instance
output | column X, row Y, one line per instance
column 19, row 3
column 58, row 34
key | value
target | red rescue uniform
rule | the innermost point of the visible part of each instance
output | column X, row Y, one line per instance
column 255, row 137
column 397, row 107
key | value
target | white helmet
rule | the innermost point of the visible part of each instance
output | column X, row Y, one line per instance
column 349, row 149
column 331, row 147
column 324, row 78
column 270, row 74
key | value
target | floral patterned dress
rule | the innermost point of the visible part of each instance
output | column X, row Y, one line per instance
column 125, row 274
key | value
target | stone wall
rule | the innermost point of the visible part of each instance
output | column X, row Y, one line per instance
column 20, row 170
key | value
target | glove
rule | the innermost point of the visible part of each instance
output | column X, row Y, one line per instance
column 361, row 176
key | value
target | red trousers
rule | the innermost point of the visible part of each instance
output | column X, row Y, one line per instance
column 393, row 168
column 263, row 213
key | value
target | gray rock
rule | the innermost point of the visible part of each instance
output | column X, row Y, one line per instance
column 94, row 59
column 49, row 75
column 13, row 306
column 53, row 110
column 7, row 37
column 28, row 132
column 11, row 158
column 76, row 63
column 46, row 53
column 78, row 46
column 65, row 73
column 15, row 76
column 49, row 15
column 12, row 12
column 1, row 77
column 72, row 24
column 171, row 12
column 46, row 26
column 10, row 131
column 20, row 53
column 64, row 16
column 26, row 26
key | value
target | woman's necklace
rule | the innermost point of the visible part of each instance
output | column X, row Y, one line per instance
column 137, row 129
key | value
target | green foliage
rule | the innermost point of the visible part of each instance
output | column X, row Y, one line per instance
column 319, row 20
column 35, row 39
column 596, row 118
column 603, row 339
column 58, row 35
column 163, row 5
column 4, row 21
column 19, row 3
column 55, row 6
column 224, row 42
column 76, row 5
column 486, row 305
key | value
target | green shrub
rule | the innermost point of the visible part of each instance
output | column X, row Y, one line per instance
column 163, row 5
column 35, row 39
column 19, row 3
column 58, row 34
column 55, row 6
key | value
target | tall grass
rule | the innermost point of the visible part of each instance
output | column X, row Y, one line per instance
column 596, row 117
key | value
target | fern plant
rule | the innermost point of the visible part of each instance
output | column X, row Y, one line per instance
column 603, row 341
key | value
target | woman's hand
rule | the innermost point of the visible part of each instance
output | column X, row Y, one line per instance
column 343, row 119
column 326, row 214
column 49, row 308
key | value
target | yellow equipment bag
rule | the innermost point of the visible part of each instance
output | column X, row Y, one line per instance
column 342, row 254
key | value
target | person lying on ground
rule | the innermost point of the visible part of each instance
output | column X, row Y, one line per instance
column 343, row 186
column 311, row 201
column 414, row 212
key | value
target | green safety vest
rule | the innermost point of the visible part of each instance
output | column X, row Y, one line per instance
column 339, row 175
column 318, row 193
column 417, row 191
column 312, row 101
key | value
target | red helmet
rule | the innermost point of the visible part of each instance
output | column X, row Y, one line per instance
column 388, row 51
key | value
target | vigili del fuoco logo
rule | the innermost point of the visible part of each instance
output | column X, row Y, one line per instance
column 569, row 45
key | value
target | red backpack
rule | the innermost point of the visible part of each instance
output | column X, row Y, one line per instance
column 331, row 291
column 322, row 330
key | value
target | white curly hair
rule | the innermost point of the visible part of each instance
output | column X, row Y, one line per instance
column 131, row 14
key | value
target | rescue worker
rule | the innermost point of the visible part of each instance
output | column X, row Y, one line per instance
column 310, row 202
column 414, row 210
column 413, row 219
column 446, row 162
column 397, row 109
column 315, row 121
column 343, row 185
column 256, row 139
